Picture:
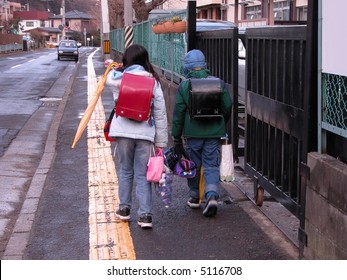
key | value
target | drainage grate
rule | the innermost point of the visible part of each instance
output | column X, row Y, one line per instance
column 50, row 101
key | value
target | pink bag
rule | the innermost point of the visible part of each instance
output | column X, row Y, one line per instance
column 155, row 166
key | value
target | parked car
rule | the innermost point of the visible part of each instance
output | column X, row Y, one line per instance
column 68, row 49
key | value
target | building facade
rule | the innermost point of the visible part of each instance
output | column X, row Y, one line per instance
column 7, row 9
column 247, row 12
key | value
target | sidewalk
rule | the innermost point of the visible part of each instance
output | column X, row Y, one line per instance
column 276, row 213
column 234, row 203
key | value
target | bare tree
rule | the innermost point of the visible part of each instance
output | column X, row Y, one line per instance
column 116, row 13
column 141, row 9
column 38, row 38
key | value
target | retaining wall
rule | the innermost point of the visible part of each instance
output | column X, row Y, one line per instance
column 326, row 209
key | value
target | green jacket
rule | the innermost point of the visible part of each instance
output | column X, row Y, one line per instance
column 183, row 125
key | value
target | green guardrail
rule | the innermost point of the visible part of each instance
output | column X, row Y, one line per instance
column 165, row 50
column 11, row 48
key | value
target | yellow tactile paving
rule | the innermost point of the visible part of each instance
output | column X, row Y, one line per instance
column 109, row 238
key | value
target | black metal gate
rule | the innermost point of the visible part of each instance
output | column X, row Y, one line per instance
column 275, row 113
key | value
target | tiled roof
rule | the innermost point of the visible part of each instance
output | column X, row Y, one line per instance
column 74, row 15
column 49, row 29
column 31, row 15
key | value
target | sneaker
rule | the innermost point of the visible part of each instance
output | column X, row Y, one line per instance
column 123, row 213
column 145, row 221
column 193, row 203
column 211, row 207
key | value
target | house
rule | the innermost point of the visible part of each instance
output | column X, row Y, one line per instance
column 7, row 9
column 77, row 24
column 74, row 20
column 39, row 21
column 30, row 20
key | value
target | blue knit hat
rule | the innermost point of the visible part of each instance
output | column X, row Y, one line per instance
column 193, row 59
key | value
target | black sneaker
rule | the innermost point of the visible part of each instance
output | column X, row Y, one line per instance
column 211, row 207
column 193, row 203
column 123, row 213
column 145, row 221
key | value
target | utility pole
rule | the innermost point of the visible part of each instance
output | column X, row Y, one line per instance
column 63, row 19
column 236, row 12
column 105, row 30
column 191, row 25
column 5, row 5
column 128, row 22
column 128, row 12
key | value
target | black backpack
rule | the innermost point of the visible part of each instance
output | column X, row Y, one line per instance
column 205, row 98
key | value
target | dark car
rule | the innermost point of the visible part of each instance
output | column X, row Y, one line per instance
column 68, row 49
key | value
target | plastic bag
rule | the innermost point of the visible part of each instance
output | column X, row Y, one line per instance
column 164, row 188
column 227, row 163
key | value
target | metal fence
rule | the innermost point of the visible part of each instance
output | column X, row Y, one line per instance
column 11, row 47
column 335, row 103
column 331, row 88
column 165, row 50
column 334, row 115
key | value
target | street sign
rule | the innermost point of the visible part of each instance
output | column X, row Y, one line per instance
column 107, row 46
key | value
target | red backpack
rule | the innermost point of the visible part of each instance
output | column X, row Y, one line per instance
column 135, row 96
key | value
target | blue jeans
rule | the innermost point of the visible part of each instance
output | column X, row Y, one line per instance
column 132, row 159
column 204, row 152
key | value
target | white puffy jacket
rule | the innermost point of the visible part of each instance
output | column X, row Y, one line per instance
column 123, row 127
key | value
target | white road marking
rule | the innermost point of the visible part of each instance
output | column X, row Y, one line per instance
column 18, row 65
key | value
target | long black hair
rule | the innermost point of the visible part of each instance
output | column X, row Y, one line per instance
column 137, row 54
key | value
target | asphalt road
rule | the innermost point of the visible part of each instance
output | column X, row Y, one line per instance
column 32, row 86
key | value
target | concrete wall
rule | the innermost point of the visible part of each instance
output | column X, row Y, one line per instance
column 326, row 208
column 169, row 90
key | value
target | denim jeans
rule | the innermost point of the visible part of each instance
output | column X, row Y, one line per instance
column 132, row 158
column 204, row 152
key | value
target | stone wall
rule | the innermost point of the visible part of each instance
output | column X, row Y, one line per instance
column 326, row 209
